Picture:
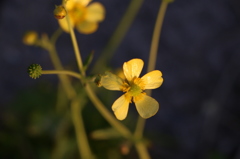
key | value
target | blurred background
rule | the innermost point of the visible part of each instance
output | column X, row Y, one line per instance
column 199, row 54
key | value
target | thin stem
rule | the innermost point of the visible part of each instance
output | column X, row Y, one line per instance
column 65, row 72
column 118, row 35
column 71, row 93
column 139, row 127
column 55, row 36
column 151, row 65
column 75, row 45
column 106, row 114
column 80, row 130
column 156, row 35
column 57, row 64
column 142, row 151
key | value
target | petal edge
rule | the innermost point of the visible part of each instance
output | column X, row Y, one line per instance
column 120, row 107
column 147, row 106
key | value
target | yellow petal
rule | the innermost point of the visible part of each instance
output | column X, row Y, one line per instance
column 84, row 2
column 132, row 68
column 71, row 3
column 120, row 107
column 86, row 27
column 111, row 81
column 64, row 25
column 95, row 12
column 146, row 106
column 152, row 79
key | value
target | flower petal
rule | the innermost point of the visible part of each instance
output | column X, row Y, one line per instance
column 120, row 107
column 146, row 106
column 87, row 27
column 64, row 25
column 84, row 2
column 152, row 79
column 132, row 68
column 111, row 81
column 95, row 12
column 71, row 3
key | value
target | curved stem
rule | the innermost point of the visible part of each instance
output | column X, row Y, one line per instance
column 156, row 35
column 55, row 36
column 151, row 65
column 118, row 35
column 80, row 130
column 65, row 72
column 71, row 93
column 57, row 64
column 106, row 114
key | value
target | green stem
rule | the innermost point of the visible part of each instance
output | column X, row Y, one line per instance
column 106, row 114
column 142, row 150
column 57, row 64
column 156, row 35
column 80, row 130
column 151, row 65
column 65, row 72
column 118, row 35
column 55, row 36
column 75, row 45
column 71, row 93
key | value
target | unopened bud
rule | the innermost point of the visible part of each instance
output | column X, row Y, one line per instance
column 35, row 71
column 30, row 38
column 59, row 12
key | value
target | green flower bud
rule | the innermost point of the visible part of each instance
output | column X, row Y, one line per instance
column 59, row 12
column 35, row 71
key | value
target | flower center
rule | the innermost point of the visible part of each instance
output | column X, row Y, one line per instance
column 134, row 88
column 78, row 13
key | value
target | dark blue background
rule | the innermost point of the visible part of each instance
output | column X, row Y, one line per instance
column 199, row 54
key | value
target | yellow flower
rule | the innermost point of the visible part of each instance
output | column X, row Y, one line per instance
column 30, row 38
column 134, row 87
column 83, row 16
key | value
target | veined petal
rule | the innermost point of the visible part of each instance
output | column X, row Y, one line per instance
column 87, row 27
column 146, row 106
column 132, row 68
column 152, row 79
column 120, row 107
column 95, row 12
column 111, row 81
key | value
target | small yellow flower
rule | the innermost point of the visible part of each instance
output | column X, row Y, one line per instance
column 83, row 15
column 30, row 38
column 134, row 87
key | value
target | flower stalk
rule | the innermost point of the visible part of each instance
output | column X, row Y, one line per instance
column 153, row 57
column 63, row 72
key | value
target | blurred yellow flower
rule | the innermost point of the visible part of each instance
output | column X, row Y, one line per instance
column 83, row 15
column 30, row 38
column 134, row 88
